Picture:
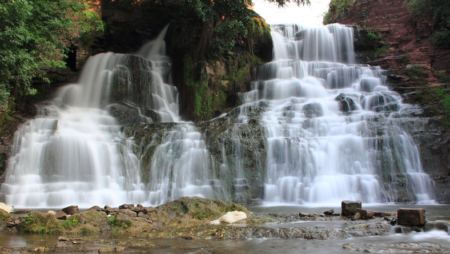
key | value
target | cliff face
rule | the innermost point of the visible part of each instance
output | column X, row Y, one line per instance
column 389, row 37
column 406, row 41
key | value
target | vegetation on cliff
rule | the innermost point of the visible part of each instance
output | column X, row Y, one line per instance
column 34, row 38
column 439, row 10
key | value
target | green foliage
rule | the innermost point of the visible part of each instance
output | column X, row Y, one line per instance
column 381, row 50
column 70, row 222
column 404, row 59
column 443, row 77
column 40, row 223
column 336, row 9
column 118, row 223
column 33, row 38
column 417, row 74
column 439, row 10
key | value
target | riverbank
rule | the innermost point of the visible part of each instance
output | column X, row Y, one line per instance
column 183, row 225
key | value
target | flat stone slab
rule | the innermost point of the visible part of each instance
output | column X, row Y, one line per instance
column 411, row 216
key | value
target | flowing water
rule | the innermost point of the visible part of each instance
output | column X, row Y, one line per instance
column 332, row 131
column 75, row 153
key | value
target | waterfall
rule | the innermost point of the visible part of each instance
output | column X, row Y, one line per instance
column 73, row 152
column 333, row 128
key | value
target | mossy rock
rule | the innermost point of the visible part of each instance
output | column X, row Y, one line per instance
column 87, row 222
column 191, row 211
column 41, row 223
column 4, row 216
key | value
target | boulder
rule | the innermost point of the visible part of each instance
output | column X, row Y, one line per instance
column 6, row 208
column 365, row 214
column 51, row 212
column 126, row 206
column 329, row 212
column 127, row 212
column 60, row 215
column 71, row 210
column 349, row 208
column 411, row 216
column 230, row 217
column 357, row 216
column 96, row 208
column 436, row 225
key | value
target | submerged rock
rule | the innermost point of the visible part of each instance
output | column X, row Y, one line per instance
column 436, row 225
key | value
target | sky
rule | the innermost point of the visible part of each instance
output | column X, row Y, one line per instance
column 309, row 16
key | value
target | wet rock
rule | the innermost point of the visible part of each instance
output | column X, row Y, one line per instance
column 71, row 210
column 127, row 206
column 378, row 214
column 365, row 214
column 329, row 212
column 313, row 110
column 411, row 217
column 393, row 221
column 350, row 208
column 60, row 215
column 436, row 225
column 125, row 114
column 346, row 104
column 357, row 216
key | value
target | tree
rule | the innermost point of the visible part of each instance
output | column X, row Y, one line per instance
column 34, row 35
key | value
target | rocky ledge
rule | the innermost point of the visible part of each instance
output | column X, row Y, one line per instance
column 189, row 218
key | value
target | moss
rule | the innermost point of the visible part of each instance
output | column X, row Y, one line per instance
column 41, row 223
column 381, row 51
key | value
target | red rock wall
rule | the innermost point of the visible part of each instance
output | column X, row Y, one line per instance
column 403, row 35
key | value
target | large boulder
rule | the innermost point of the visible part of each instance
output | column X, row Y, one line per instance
column 350, row 208
column 71, row 210
column 411, row 216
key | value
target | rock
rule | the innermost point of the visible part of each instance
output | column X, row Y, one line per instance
column 51, row 212
column 357, row 216
column 125, row 114
column 346, row 104
column 140, row 206
column 112, row 211
column 148, row 210
column 365, row 214
column 436, row 225
column 71, row 210
column 349, row 208
column 141, row 214
column 378, row 214
column 6, row 208
column 329, row 212
column 230, row 217
column 62, row 238
column 127, row 212
column 96, row 208
column 61, row 245
column 411, row 217
column 313, row 110
column 393, row 221
column 60, row 215
column 127, row 206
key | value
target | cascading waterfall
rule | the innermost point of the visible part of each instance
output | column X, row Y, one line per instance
column 74, row 152
column 333, row 128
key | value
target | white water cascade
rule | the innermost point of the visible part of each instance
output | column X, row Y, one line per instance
column 74, row 153
column 331, row 125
